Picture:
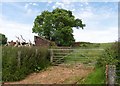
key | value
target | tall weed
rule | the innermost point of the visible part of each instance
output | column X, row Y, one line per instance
column 17, row 62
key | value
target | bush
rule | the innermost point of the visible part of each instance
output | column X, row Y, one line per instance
column 111, row 56
column 19, row 62
column 89, row 45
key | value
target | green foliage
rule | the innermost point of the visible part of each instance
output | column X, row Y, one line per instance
column 57, row 26
column 19, row 62
column 3, row 39
column 89, row 45
column 96, row 77
column 110, row 56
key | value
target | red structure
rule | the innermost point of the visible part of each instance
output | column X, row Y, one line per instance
column 40, row 41
column 76, row 44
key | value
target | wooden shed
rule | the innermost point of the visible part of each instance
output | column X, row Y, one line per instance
column 41, row 41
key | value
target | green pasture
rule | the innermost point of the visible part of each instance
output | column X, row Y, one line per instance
column 96, row 77
column 84, row 56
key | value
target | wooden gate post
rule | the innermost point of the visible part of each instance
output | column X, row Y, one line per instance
column 106, row 72
column 19, row 55
column 51, row 55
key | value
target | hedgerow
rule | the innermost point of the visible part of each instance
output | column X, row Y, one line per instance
column 18, row 62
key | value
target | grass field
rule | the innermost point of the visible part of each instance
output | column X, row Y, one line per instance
column 89, row 57
column 94, row 45
column 83, row 56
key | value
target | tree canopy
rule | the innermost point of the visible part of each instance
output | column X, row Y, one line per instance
column 57, row 26
column 3, row 39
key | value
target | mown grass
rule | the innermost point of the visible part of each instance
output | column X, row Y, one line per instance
column 96, row 77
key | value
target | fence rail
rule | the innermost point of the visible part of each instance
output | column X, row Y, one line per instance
column 78, row 49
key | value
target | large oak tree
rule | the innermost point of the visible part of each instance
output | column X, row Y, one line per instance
column 57, row 26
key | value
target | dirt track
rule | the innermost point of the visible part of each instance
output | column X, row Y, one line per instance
column 57, row 75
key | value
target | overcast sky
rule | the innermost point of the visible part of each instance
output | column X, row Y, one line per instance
column 101, row 18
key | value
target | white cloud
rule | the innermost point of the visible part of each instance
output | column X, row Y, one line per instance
column 26, row 6
column 35, row 4
column 73, row 10
column 58, row 4
column 97, row 18
column 60, row 0
column 98, row 27
column 86, row 3
column 29, row 5
column 12, row 29
column 49, row 1
column 66, row 1
column 30, row 10
column 65, row 5
column 97, row 36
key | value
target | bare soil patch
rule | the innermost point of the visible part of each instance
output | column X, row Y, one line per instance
column 61, row 74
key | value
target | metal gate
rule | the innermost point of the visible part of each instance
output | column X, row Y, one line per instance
column 74, row 56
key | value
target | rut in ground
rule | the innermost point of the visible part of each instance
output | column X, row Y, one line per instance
column 57, row 75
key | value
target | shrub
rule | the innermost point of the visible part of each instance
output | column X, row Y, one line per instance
column 19, row 62
column 111, row 56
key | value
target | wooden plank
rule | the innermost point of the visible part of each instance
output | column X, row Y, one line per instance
column 60, row 53
column 77, row 49
column 58, row 56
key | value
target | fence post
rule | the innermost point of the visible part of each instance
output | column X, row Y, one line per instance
column 36, row 51
column 106, row 72
column 51, row 55
column 75, row 56
column 19, row 55
column 111, row 75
